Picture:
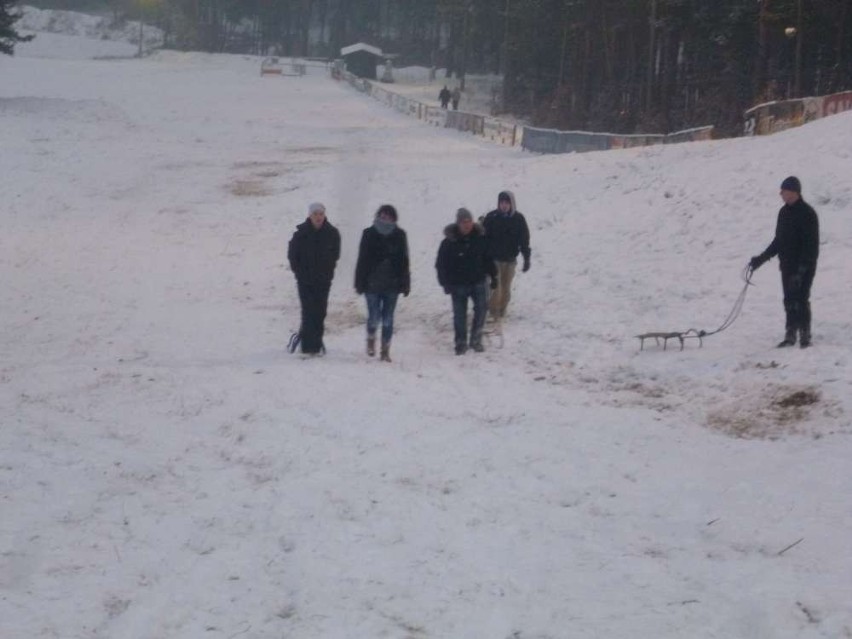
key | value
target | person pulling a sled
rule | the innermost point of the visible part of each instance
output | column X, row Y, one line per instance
column 796, row 244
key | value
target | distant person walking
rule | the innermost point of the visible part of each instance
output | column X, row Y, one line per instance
column 508, row 236
column 381, row 274
column 796, row 244
column 444, row 96
column 463, row 264
column 313, row 253
column 456, row 98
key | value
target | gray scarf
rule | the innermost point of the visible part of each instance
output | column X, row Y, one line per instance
column 384, row 228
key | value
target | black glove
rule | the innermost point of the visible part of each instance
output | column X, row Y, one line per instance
column 756, row 262
column 493, row 283
column 405, row 292
column 447, row 290
column 526, row 266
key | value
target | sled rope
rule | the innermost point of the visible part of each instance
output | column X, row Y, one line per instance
column 694, row 333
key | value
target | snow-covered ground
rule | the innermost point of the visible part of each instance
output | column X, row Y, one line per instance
column 168, row 470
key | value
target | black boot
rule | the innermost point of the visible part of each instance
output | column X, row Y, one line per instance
column 371, row 345
column 385, row 357
column 789, row 338
column 805, row 337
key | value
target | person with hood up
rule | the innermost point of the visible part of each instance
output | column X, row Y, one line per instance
column 508, row 235
column 796, row 244
column 463, row 263
column 381, row 274
column 313, row 253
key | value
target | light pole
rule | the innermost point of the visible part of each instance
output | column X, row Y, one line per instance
column 651, row 46
column 797, row 82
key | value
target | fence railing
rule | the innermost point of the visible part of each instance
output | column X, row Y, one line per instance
column 501, row 132
column 772, row 117
column 553, row 141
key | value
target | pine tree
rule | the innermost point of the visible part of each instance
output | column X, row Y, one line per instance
column 8, row 36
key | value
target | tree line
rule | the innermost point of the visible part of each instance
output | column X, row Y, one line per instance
column 622, row 66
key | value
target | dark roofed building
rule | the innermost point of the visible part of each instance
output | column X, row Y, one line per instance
column 361, row 59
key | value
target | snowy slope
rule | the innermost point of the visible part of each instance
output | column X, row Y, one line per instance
column 167, row 470
column 74, row 35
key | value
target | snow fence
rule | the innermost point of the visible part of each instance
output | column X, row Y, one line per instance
column 773, row 117
column 502, row 132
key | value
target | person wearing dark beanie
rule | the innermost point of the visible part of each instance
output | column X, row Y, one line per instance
column 792, row 184
column 796, row 244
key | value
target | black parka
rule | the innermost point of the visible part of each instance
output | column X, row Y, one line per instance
column 313, row 253
column 507, row 233
column 796, row 240
column 463, row 260
column 383, row 264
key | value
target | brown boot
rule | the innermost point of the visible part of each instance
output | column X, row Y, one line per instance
column 385, row 352
column 371, row 346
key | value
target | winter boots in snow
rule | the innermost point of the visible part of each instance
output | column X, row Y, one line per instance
column 805, row 337
column 371, row 349
column 789, row 338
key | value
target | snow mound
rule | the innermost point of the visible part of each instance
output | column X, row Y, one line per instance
column 71, row 34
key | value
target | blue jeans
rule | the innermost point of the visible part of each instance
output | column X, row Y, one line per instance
column 380, row 308
column 460, row 295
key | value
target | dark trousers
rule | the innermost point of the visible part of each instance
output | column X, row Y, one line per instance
column 380, row 309
column 314, row 299
column 460, row 295
column 797, row 298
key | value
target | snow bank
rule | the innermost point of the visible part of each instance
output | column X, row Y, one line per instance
column 74, row 35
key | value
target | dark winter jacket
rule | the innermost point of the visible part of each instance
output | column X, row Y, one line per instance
column 383, row 264
column 463, row 260
column 507, row 233
column 313, row 253
column 796, row 240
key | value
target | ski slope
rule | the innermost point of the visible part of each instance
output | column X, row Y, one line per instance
column 168, row 470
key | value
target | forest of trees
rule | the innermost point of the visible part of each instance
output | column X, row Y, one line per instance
column 615, row 65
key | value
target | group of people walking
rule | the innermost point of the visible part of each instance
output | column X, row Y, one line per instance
column 446, row 96
column 476, row 264
column 473, row 259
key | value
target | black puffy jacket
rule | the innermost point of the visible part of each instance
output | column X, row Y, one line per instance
column 313, row 253
column 463, row 260
column 383, row 264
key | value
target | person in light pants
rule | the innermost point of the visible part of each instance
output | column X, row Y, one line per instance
column 508, row 236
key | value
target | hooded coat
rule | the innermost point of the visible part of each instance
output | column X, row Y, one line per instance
column 508, row 233
column 463, row 260
column 313, row 253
